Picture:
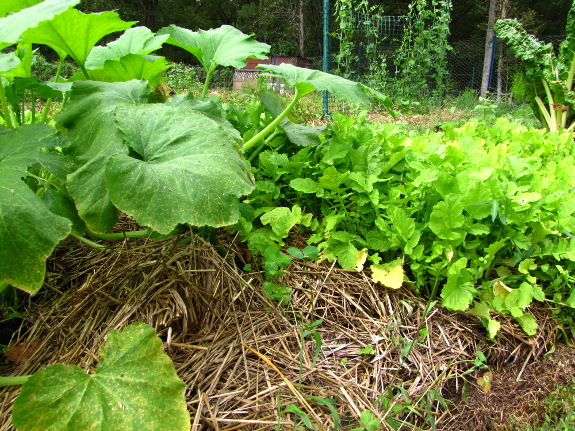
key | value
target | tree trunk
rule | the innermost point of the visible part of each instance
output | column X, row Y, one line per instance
column 301, row 4
column 501, row 60
column 488, row 48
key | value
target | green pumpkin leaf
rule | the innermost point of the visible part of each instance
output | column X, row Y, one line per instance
column 14, row 25
column 308, row 80
column 28, row 230
column 137, row 40
column 182, row 168
column 135, row 386
column 88, row 118
column 75, row 33
column 135, row 66
column 223, row 46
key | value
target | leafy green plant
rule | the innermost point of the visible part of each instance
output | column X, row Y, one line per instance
column 117, row 149
column 456, row 214
column 550, row 76
column 134, row 386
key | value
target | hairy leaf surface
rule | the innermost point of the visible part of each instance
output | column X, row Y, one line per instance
column 182, row 168
column 28, row 230
column 89, row 121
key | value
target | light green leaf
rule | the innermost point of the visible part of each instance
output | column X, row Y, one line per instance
column 170, row 177
column 13, row 25
column 134, row 66
column 88, row 118
column 282, row 219
column 224, row 46
column 447, row 218
column 28, row 230
column 428, row 175
column 389, row 274
column 308, row 80
column 75, row 33
column 137, row 40
column 347, row 255
column 8, row 62
column 457, row 293
column 527, row 323
column 306, row 185
column 527, row 265
column 135, row 386
column 404, row 225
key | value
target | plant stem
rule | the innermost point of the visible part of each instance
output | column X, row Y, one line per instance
column 5, row 108
column 120, row 235
column 85, row 71
column 544, row 112
column 552, row 110
column 207, row 82
column 273, row 124
column 259, row 149
column 90, row 243
column 49, row 101
column 13, row 381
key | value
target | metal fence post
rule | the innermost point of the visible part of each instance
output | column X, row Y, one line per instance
column 325, row 53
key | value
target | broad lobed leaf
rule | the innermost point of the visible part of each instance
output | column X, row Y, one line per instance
column 134, row 387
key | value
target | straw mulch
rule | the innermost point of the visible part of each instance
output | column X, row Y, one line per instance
column 242, row 358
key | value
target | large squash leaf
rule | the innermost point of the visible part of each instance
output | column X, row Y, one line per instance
column 75, row 33
column 20, row 20
column 183, row 167
column 28, row 230
column 224, row 46
column 135, row 387
column 88, row 118
column 308, row 80
column 137, row 40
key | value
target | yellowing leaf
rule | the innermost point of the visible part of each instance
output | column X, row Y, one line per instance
column 360, row 259
column 389, row 274
column 485, row 381
column 501, row 290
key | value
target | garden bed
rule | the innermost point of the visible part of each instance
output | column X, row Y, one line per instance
column 212, row 316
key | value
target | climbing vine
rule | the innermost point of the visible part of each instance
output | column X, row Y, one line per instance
column 422, row 58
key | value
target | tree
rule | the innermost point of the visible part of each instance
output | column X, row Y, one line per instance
column 489, row 42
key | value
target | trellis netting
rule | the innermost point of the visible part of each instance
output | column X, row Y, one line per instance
column 410, row 57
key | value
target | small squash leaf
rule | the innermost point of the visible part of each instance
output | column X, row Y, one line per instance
column 135, row 66
column 308, row 80
column 135, row 386
column 182, row 167
column 137, row 40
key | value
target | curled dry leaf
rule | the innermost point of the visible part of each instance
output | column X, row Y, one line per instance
column 485, row 381
column 22, row 352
